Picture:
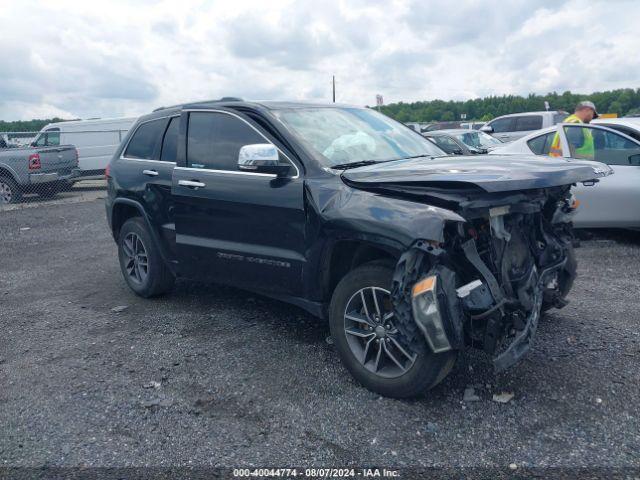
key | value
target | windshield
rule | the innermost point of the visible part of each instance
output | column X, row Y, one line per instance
column 341, row 136
column 477, row 139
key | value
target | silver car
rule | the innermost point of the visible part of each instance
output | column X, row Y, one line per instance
column 614, row 201
column 511, row 127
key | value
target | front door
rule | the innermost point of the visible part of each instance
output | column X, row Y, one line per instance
column 614, row 200
column 236, row 227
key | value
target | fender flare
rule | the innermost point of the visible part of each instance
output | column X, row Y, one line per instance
column 11, row 171
column 152, row 231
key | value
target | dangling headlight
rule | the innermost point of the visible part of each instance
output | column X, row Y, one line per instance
column 426, row 313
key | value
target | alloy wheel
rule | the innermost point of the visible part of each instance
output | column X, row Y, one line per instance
column 372, row 335
column 136, row 262
column 6, row 193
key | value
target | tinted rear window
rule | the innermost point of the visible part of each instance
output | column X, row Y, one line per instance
column 529, row 122
column 502, row 125
column 146, row 140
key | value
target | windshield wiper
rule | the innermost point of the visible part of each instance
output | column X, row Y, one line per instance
column 414, row 156
column 361, row 163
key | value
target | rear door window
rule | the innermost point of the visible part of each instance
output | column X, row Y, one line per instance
column 528, row 122
column 145, row 143
column 214, row 140
column 502, row 125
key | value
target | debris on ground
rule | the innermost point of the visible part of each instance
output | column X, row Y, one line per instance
column 329, row 340
column 598, row 400
column 24, row 229
column 152, row 384
column 470, row 395
column 513, row 466
column 504, row 397
column 119, row 308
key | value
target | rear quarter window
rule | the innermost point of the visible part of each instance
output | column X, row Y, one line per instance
column 145, row 142
column 528, row 122
column 541, row 145
column 502, row 125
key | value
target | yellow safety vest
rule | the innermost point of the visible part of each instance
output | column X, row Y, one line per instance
column 586, row 150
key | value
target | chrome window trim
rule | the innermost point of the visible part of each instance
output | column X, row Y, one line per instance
column 146, row 160
column 297, row 175
column 231, row 172
column 122, row 157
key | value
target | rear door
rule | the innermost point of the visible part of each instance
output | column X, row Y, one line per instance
column 614, row 200
column 147, row 165
column 524, row 125
column 503, row 128
column 236, row 227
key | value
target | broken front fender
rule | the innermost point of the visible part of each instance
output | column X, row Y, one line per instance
column 365, row 213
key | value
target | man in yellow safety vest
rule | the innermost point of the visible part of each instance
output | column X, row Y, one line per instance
column 585, row 112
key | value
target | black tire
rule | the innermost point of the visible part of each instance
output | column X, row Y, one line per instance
column 9, row 191
column 427, row 370
column 158, row 279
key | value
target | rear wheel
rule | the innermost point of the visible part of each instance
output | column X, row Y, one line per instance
column 363, row 328
column 9, row 191
column 141, row 264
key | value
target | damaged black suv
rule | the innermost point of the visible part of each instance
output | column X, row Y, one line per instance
column 410, row 255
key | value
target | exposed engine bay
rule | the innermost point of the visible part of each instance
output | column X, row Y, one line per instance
column 488, row 282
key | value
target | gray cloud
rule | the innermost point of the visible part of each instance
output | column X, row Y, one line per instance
column 90, row 61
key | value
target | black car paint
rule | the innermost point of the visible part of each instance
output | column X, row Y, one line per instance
column 277, row 235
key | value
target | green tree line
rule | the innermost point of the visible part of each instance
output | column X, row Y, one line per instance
column 623, row 102
column 26, row 125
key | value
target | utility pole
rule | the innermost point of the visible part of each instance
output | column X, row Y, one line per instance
column 334, row 89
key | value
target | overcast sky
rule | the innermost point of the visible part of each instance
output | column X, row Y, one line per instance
column 101, row 59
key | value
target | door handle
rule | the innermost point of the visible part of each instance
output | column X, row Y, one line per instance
column 191, row 183
column 151, row 173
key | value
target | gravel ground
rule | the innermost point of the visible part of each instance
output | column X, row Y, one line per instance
column 213, row 376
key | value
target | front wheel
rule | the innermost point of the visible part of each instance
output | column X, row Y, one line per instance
column 362, row 324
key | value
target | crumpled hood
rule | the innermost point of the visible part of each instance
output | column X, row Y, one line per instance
column 495, row 173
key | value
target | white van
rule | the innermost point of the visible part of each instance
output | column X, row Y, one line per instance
column 96, row 140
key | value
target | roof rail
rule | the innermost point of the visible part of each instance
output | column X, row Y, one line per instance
column 223, row 99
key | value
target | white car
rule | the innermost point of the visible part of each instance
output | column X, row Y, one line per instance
column 508, row 128
column 96, row 141
column 615, row 200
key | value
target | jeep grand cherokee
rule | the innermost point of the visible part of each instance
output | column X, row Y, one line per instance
column 411, row 256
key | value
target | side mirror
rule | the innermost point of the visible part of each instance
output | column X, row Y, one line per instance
column 486, row 129
column 635, row 160
column 262, row 158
